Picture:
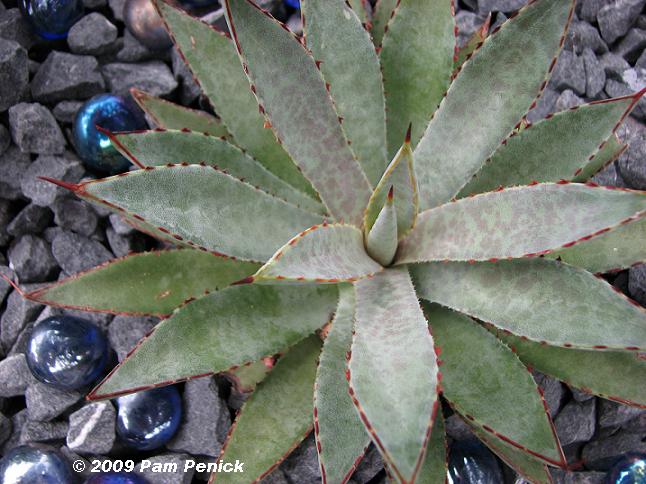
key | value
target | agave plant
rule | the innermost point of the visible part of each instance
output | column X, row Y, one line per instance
column 288, row 215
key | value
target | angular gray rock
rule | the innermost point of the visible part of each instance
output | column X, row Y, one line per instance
column 5, row 287
column 67, row 168
column 120, row 226
column 92, row 34
column 75, row 215
column 576, row 422
column 122, row 245
column 578, row 395
column 302, row 465
column 134, row 51
column 65, row 111
column 371, row 465
column 32, row 219
column 189, row 91
column 92, row 429
column 595, row 75
column 18, row 313
column 5, row 139
column 588, row 9
column 613, row 414
column 637, row 283
column 6, row 214
column 34, row 431
column 546, row 105
column 45, row 402
column 15, row 376
column 13, row 26
column 563, row 477
column 17, row 421
column 486, row 6
column 613, row 65
column 457, row 429
column 277, row 476
column 567, row 100
column 125, row 331
column 617, row 17
column 553, row 392
column 616, row 88
column 631, row 165
column 582, row 35
column 179, row 477
column 5, row 428
column 569, row 73
column 13, row 165
column 602, row 453
column 14, row 72
column 117, row 8
column 205, row 420
column 66, row 76
column 76, row 253
column 35, row 130
column 154, row 77
column 31, row 259
column 632, row 45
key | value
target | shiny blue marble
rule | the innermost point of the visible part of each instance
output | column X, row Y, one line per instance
column 147, row 420
column 629, row 470
column 52, row 19
column 292, row 3
column 116, row 478
column 112, row 113
column 471, row 462
column 32, row 465
column 66, row 352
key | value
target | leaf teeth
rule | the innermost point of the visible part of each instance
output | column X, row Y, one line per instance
column 73, row 187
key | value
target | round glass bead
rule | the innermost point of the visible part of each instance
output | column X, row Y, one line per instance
column 112, row 113
column 143, row 21
column 66, row 352
column 116, row 478
column 52, row 19
column 470, row 462
column 293, row 3
column 32, row 465
column 629, row 470
column 147, row 420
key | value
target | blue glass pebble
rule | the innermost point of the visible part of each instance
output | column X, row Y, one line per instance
column 32, row 465
column 147, row 420
column 293, row 3
column 629, row 470
column 66, row 352
column 52, row 19
column 112, row 113
column 470, row 462
column 116, row 478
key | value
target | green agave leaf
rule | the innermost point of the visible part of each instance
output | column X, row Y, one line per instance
column 434, row 468
column 486, row 382
column 512, row 65
column 281, row 69
column 381, row 242
column 275, row 419
column 212, row 58
column 225, row 329
column 323, row 253
column 383, row 10
column 168, row 115
column 349, row 63
column 204, row 206
column 154, row 148
column 609, row 374
column 147, row 283
column 400, row 175
column 360, row 9
column 519, row 222
column 393, row 370
column 540, row 299
column 522, row 462
column 340, row 435
column 619, row 249
column 554, row 149
column 472, row 45
column 245, row 378
column 416, row 60
column 609, row 152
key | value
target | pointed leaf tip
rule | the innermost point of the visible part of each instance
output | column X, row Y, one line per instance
column 409, row 133
column 391, row 193
column 73, row 187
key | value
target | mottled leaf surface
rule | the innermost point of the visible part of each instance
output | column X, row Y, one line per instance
column 609, row 374
column 380, row 18
column 360, row 9
column 212, row 58
column 520, row 461
column 324, row 253
column 490, row 95
column 554, row 149
column 518, row 222
column 227, row 328
column 153, row 148
column 483, row 379
column 541, row 299
column 246, row 377
column 416, row 60
column 340, row 434
column 611, row 150
column 168, row 115
column 349, row 63
column 276, row 418
column 291, row 89
column 205, row 206
column 146, row 283
column 472, row 44
column 393, row 369
column 618, row 249
column 400, row 175
column 434, row 468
